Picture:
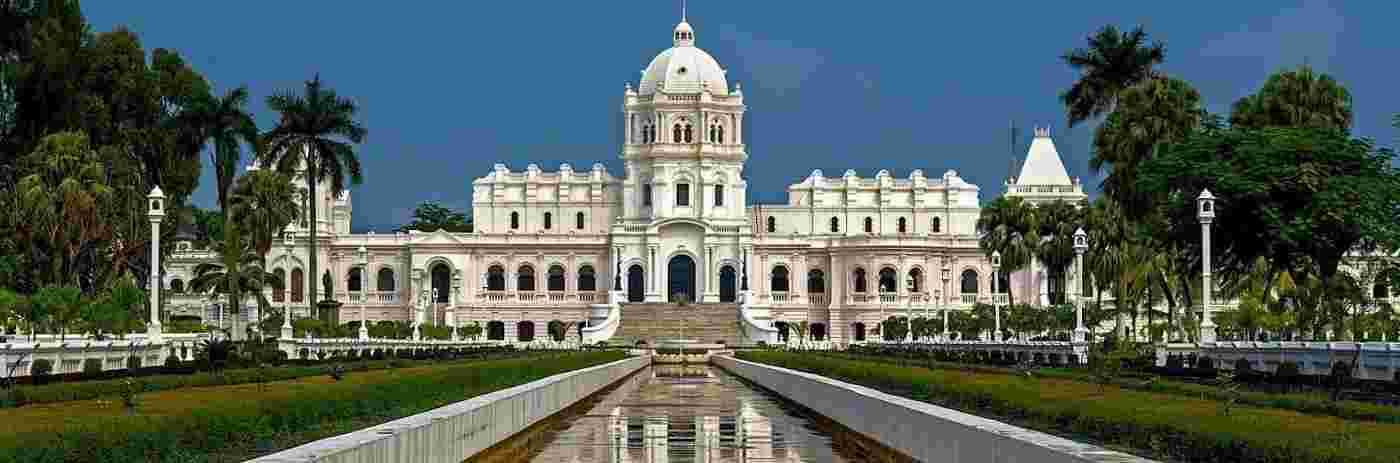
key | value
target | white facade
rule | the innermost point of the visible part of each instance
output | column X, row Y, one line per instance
column 843, row 252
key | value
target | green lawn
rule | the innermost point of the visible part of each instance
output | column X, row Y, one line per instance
column 236, row 422
column 1158, row 425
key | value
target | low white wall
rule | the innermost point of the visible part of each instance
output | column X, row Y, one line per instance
column 1377, row 360
column 917, row 429
column 455, row 432
column 70, row 355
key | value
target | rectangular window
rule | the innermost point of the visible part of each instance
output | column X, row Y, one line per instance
column 683, row 194
column 719, row 195
column 646, row 195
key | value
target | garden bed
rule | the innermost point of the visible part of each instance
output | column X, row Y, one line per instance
column 237, row 422
column 1163, row 426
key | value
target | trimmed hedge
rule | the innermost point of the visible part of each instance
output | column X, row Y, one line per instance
column 1164, row 426
column 85, row 390
column 1309, row 403
column 243, row 426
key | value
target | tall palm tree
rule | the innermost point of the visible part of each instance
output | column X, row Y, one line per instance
column 264, row 203
column 1112, row 62
column 239, row 269
column 316, row 138
column 1055, row 224
column 225, row 123
column 1149, row 115
column 1296, row 98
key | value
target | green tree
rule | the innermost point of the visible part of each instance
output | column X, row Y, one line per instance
column 432, row 216
column 1055, row 223
column 1295, row 98
column 1149, row 116
column 62, row 205
column 61, row 305
column 263, row 204
column 1292, row 195
column 225, row 123
column 1112, row 62
column 315, row 138
column 240, row 270
column 1006, row 225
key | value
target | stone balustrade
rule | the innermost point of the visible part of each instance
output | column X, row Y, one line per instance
column 1052, row 352
column 70, row 355
column 1375, row 360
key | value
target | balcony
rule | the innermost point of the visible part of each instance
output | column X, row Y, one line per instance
column 538, row 298
column 370, row 297
column 969, row 298
column 819, row 299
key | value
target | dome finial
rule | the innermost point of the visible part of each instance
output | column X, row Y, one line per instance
column 683, row 36
column 682, row 10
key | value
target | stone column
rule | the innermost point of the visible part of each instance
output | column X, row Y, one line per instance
column 1207, row 324
column 710, row 294
column 653, row 275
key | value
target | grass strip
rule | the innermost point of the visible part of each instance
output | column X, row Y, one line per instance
column 1309, row 403
column 234, row 423
column 21, row 395
column 1163, row 426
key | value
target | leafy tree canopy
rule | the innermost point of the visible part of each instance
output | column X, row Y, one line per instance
column 1296, row 98
column 432, row 216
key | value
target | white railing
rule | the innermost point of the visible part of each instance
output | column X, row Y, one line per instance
column 1376, row 360
column 969, row 298
column 512, row 298
column 999, row 299
column 557, row 297
column 70, row 356
column 889, row 298
column 778, row 296
column 819, row 299
column 862, row 298
column 588, row 297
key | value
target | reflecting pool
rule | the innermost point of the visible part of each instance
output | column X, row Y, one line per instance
column 684, row 414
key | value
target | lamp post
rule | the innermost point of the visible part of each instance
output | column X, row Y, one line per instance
column 947, row 294
column 1205, row 211
column 364, row 268
column 287, row 307
column 1081, row 244
column 155, row 214
column 996, row 309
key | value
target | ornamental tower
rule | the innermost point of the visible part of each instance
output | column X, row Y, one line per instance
column 683, row 138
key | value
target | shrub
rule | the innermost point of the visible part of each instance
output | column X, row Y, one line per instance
column 92, row 368
column 1286, row 373
column 1175, row 362
column 172, row 363
column 41, row 370
column 337, row 372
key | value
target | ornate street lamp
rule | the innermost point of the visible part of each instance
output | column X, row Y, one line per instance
column 996, row 308
column 947, row 294
column 155, row 214
column 1205, row 211
column 364, row 269
column 287, row 243
column 1081, row 244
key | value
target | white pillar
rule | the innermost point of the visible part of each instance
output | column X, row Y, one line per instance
column 1080, row 332
column 1207, row 325
column 996, row 308
column 155, row 214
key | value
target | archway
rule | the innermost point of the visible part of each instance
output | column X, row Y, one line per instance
column 680, row 276
column 636, row 284
column 525, row 331
column 496, row 330
column 727, row 283
column 858, row 330
column 442, row 280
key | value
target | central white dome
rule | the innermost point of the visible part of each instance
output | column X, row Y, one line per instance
column 683, row 68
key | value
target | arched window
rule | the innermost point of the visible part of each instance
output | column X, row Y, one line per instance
column 869, row 225
column 969, row 282
column 682, row 194
column 719, row 195
column 772, row 224
column 587, row 279
column 525, row 331
column 816, row 282
column 525, row 279
column 352, row 283
column 712, row 134
column 859, row 277
column 779, row 281
column 818, row 331
column 298, row 282
column 441, row 276
column 887, row 280
column 556, row 278
column 515, row 221
column 687, row 133
column 937, row 224
column 386, row 280
column 496, row 330
column 858, row 329
column 279, row 292
column 916, row 280
column 646, row 195
column 548, row 220
column 720, row 137
column 578, row 221
column 676, row 134
column 900, row 226
column 177, row 286
column 496, row 278
column 835, row 225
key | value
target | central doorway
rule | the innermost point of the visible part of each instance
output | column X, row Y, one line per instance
column 680, row 275
column 726, row 284
column 636, row 284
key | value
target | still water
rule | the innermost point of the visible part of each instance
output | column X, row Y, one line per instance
column 691, row 414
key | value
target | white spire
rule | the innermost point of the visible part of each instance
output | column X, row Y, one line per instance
column 1043, row 165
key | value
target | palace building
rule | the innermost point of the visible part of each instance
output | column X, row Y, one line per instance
column 600, row 249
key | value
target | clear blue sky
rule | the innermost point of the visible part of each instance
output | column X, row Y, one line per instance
column 449, row 88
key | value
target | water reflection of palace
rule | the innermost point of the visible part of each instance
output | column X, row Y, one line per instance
column 688, row 414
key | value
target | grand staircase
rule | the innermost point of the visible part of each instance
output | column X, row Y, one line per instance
column 651, row 322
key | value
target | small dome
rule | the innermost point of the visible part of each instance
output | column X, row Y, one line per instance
column 683, row 68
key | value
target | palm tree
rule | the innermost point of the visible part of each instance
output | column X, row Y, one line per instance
column 1112, row 62
column 240, row 269
column 264, row 203
column 61, row 204
column 225, row 123
column 1297, row 98
column 1055, row 225
column 315, row 137
column 1150, row 115
column 1006, row 225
